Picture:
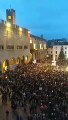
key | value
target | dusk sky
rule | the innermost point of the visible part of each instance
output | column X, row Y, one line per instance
column 47, row 17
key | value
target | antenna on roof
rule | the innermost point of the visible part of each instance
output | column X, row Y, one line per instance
column 10, row 6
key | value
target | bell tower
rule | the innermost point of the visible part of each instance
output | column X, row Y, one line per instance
column 11, row 16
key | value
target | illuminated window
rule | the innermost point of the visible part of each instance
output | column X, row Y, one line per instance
column 40, row 46
column 20, row 29
column 44, row 46
column 26, row 58
column 8, row 24
column 34, row 46
column 30, row 41
column 9, row 17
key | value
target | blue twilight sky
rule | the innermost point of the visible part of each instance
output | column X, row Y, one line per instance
column 47, row 17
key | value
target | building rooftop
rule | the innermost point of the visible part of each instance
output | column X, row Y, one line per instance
column 62, row 41
column 37, row 37
column 3, row 23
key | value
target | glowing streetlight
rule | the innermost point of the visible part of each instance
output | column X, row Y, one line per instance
column 26, row 58
column 8, row 24
column 20, row 29
column 30, row 41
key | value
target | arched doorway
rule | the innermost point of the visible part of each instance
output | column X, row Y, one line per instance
column 5, row 66
column 26, row 59
column 18, row 60
column 30, row 56
column 0, row 67
column 12, row 64
column 22, row 60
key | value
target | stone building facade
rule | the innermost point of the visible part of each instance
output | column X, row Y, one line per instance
column 17, row 45
column 37, row 48
column 14, row 46
column 54, row 51
column 57, row 49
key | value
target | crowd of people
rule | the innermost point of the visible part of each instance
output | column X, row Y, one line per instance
column 39, row 89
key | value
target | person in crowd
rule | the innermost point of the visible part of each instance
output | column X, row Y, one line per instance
column 40, row 89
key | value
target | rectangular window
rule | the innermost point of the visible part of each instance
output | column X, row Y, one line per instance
column 56, row 52
column 55, row 56
column 9, row 17
column 10, row 46
column 51, row 56
column 65, row 52
column 30, row 41
column 25, row 47
column 19, row 47
column 65, row 47
column 34, row 46
column 44, row 46
column 1, row 47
